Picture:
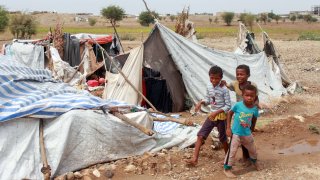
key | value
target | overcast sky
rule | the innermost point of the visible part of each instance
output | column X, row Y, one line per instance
column 161, row 6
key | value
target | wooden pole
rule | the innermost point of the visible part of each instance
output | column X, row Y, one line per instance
column 46, row 170
column 180, row 121
column 148, row 9
column 123, row 75
column 134, row 124
column 115, row 30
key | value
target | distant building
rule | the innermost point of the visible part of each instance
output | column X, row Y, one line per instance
column 315, row 10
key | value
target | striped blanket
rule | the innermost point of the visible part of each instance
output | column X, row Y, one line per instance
column 32, row 92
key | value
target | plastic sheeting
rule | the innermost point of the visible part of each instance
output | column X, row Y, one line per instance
column 27, row 54
column 78, row 139
column 117, row 88
column 194, row 61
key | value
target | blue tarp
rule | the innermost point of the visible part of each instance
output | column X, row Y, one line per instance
column 34, row 93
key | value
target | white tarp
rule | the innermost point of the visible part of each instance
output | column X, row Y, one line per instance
column 27, row 54
column 78, row 139
column 194, row 61
column 117, row 88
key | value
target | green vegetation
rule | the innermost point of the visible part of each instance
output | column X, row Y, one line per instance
column 92, row 21
column 293, row 18
column 127, row 37
column 309, row 36
column 4, row 19
column 113, row 14
column 228, row 17
column 23, row 26
column 247, row 19
column 145, row 18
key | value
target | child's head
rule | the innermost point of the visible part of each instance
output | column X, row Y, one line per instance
column 242, row 73
column 215, row 74
column 249, row 94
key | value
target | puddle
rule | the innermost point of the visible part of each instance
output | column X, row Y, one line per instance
column 302, row 147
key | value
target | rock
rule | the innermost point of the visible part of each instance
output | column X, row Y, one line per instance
column 70, row 176
column 86, row 172
column 77, row 175
column 96, row 173
column 164, row 151
column 111, row 167
column 130, row 168
column 300, row 118
column 109, row 174
column 87, row 178
column 61, row 177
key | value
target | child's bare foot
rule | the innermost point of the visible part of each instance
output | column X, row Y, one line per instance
column 229, row 174
column 191, row 162
column 257, row 165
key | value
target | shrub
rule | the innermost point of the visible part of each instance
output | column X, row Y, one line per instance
column 23, row 26
column 92, row 21
column 228, row 17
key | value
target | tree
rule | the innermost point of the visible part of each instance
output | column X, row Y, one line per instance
column 264, row 18
column 23, row 26
column 300, row 16
column 313, row 19
column 92, row 21
column 113, row 14
column 145, row 18
column 293, row 18
column 307, row 18
column 172, row 18
column 210, row 20
column 228, row 17
column 277, row 18
column 242, row 17
column 271, row 15
column 216, row 20
column 249, row 20
column 4, row 19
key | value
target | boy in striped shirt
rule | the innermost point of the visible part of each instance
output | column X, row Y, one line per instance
column 219, row 100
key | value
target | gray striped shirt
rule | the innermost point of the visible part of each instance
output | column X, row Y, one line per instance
column 218, row 98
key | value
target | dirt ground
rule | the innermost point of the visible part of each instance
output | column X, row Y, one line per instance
column 288, row 139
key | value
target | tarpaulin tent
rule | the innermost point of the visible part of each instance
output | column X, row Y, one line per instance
column 74, row 136
column 184, row 66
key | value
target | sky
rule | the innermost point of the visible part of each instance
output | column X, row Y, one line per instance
column 134, row 7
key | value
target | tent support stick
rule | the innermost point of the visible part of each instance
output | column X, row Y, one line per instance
column 115, row 30
column 46, row 170
column 149, row 9
column 134, row 124
column 180, row 121
column 123, row 75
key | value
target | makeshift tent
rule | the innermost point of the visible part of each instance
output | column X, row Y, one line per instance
column 185, row 65
column 74, row 138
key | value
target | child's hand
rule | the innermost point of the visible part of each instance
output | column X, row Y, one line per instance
column 213, row 114
column 228, row 132
column 198, row 106
column 223, row 83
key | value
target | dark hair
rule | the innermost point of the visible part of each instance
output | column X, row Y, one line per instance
column 250, row 87
column 245, row 68
column 215, row 70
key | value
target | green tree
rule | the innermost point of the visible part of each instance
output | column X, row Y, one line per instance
column 145, row 18
column 271, row 15
column 242, row 17
column 92, row 21
column 4, row 19
column 293, row 18
column 113, row 14
column 228, row 17
column 313, row 19
column 249, row 20
column 264, row 18
column 277, row 18
column 307, row 18
column 216, row 20
column 172, row 18
column 210, row 20
column 23, row 26
column 300, row 16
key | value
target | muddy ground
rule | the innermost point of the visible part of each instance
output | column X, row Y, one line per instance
column 288, row 140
